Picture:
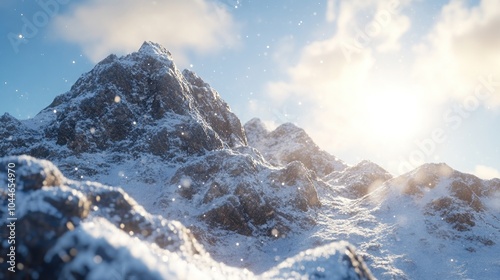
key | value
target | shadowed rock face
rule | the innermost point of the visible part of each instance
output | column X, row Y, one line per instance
column 140, row 103
column 240, row 193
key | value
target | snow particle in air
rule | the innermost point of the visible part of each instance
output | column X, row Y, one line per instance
column 117, row 99
column 186, row 182
column 275, row 232
column 237, row 244
column 73, row 252
column 55, row 111
column 97, row 259
column 92, row 130
column 122, row 225
column 20, row 36
column 70, row 226
column 173, row 199
column 73, row 62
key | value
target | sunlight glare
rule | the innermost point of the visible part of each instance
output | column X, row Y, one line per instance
column 393, row 115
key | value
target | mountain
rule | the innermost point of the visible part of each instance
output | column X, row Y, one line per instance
column 197, row 195
column 139, row 103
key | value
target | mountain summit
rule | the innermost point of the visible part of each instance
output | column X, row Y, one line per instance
column 140, row 103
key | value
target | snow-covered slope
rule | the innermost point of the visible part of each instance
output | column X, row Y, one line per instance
column 67, row 229
column 194, row 189
column 431, row 223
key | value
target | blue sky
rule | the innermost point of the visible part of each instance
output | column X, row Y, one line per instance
column 398, row 82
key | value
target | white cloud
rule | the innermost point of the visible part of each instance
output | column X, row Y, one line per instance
column 364, row 99
column 486, row 172
column 337, row 77
column 462, row 46
column 120, row 26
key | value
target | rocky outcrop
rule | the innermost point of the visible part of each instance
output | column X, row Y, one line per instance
column 237, row 191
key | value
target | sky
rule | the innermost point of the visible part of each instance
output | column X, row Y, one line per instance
column 397, row 82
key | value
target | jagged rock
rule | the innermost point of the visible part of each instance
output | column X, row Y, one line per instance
column 238, row 192
column 289, row 143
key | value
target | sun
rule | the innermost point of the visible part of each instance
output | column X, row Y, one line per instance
column 393, row 114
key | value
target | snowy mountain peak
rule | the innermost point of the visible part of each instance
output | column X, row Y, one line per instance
column 288, row 143
column 155, row 49
column 436, row 169
column 255, row 130
column 138, row 103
